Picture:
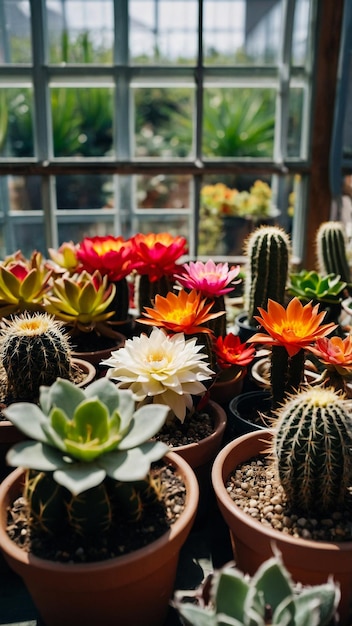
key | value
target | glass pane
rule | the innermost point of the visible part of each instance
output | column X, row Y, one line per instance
column 238, row 122
column 231, row 207
column 84, row 192
column 295, row 123
column 242, row 32
column 24, row 193
column 15, row 32
column 163, row 121
column 27, row 236
column 80, row 31
column 75, row 231
column 163, row 31
column 176, row 225
column 301, row 43
column 163, row 192
column 82, row 121
column 16, row 126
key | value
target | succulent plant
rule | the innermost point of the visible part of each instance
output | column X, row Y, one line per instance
column 82, row 301
column 268, row 254
column 83, row 444
column 312, row 448
column 34, row 351
column 309, row 285
column 331, row 250
column 23, row 283
column 238, row 600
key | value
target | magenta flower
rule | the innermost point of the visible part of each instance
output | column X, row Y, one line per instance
column 211, row 279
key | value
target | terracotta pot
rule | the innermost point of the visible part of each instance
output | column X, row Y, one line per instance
column 309, row 562
column 223, row 391
column 204, row 451
column 131, row 589
column 260, row 372
column 200, row 456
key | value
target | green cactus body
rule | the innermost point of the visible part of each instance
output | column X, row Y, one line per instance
column 44, row 497
column 331, row 250
column 268, row 252
column 91, row 511
column 147, row 290
column 312, row 449
column 34, row 351
column 219, row 324
column 121, row 301
column 134, row 497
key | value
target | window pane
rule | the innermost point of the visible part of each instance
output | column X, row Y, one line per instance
column 238, row 122
column 163, row 192
column 84, row 192
column 80, row 31
column 15, row 32
column 24, row 193
column 75, row 230
column 176, row 225
column 241, row 32
column 163, row 31
column 82, row 121
column 163, row 121
column 231, row 207
column 16, row 127
column 301, row 42
column 295, row 123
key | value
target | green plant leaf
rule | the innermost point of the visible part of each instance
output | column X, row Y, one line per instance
column 146, row 422
column 35, row 455
column 134, row 464
column 28, row 418
column 80, row 477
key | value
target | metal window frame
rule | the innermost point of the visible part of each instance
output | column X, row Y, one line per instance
column 122, row 75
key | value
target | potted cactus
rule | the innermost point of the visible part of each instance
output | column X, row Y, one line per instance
column 268, row 251
column 270, row 596
column 34, row 351
column 97, row 506
column 297, row 476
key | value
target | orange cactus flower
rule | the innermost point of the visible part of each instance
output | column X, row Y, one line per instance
column 294, row 328
column 230, row 351
column 335, row 353
column 180, row 313
column 156, row 254
column 111, row 256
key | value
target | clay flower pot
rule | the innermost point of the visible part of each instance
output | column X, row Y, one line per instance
column 309, row 562
column 223, row 392
column 130, row 589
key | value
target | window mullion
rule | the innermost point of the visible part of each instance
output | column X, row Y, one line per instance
column 42, row 116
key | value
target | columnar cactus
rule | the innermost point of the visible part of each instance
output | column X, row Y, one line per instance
column 34, row 351
column 268, row 252
column 331, row 250
column 312, row 443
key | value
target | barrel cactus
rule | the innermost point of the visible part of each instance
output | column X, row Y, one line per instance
column 89, row 455
column 312, row 443
column 34, row 351
column 268, row 251
column 331, row 250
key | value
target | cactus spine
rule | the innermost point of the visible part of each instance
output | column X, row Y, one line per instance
column 34, row 351
column 312, row 443
column 268, row 251
column 331, row 250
